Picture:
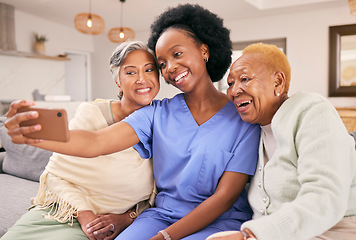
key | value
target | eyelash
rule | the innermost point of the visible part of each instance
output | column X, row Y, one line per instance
column 243, row 79
column 147, row 70
column 175, row 55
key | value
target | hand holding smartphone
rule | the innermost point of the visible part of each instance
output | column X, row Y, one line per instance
column 54, row 124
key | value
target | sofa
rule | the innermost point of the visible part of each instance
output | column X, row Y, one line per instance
column 20, row 169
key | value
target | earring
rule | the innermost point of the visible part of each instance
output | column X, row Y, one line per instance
column 206, row 59
column 120, row 94
column 278, row 94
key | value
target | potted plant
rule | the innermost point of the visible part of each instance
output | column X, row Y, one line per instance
column 39, row 46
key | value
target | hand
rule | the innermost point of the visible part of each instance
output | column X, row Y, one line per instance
column 84, row 218
column 228, row 235
column 109, row 224
column 14, row 119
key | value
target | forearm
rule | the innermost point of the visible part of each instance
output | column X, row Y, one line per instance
column 89, row 144
column 81, row 144
column 203, row 215
column 230, row 186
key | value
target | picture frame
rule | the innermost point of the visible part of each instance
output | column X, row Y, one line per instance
column 342, row 61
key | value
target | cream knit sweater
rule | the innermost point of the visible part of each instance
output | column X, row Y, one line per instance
column 309, row 184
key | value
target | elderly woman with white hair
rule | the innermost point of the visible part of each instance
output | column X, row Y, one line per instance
column 97, row 198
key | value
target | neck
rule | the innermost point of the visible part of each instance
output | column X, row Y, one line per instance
column 121, row 109
column 204, row 95
column 277, row 105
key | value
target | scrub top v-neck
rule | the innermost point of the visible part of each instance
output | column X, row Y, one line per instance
column 189, row 159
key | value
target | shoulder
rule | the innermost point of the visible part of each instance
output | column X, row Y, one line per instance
column 167, row 103
column 303, row 102
column 306, row 109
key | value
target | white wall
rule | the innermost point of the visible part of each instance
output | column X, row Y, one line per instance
column 307, row 36
column 20, row 76
column 306, row 33
column 61, row 38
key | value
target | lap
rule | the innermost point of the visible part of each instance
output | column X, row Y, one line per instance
column 33, row 225
column 149, row 223
column 345, row 230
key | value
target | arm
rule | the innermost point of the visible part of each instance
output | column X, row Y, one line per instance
column 82, row 143
column 228, row 190
column 325, row 164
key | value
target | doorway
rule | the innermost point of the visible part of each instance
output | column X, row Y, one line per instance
column 77, row 76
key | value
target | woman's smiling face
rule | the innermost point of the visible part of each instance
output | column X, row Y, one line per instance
column 138, row 78
column 252, row 89
column 181, row 59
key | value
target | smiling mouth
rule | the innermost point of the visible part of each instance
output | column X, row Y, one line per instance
column 243, row 104
column 180, row 76
column 143, row 90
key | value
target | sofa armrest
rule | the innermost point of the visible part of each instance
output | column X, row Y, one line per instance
column 2, row 157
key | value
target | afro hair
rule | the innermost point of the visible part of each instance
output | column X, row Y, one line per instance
column 207, row 27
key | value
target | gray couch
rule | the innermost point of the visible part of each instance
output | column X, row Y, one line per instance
column 20, row 169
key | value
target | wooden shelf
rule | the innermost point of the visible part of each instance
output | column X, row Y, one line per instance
column 49, row 57
column 32, row 55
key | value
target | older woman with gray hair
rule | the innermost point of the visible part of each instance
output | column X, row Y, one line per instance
column 305, row 183
column 97, row 198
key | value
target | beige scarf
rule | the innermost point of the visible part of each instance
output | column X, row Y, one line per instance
column 106, row 184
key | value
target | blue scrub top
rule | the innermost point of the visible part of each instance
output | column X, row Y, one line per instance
column 188, row 159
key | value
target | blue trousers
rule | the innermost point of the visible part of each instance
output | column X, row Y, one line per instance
column 148, row 224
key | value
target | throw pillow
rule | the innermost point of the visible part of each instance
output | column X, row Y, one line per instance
column 22, row 160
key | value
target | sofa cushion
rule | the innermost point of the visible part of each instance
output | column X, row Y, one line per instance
column 22, row 160
column 15, row 198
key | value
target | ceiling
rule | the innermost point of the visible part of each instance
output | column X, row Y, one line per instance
column 139, row 14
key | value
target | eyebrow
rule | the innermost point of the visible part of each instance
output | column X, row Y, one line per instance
column 135, row 66
column 170, row 49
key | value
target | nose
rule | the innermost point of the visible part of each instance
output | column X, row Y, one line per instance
column 236, row 89
column 141, row 78
column 171, row 66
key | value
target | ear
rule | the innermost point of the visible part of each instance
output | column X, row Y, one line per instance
column 118, row 86
column 205, row 51
column 279, row 83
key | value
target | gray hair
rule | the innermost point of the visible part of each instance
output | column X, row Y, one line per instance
column 121, row 52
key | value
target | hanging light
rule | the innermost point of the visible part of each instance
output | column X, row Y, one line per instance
column 89, row 23
column 121, row 34
column 352, row 5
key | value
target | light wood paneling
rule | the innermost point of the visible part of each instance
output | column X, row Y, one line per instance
column 348, row 116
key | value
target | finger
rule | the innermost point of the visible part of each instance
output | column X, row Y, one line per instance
column 111, row 236
column 93, row 223
column 17, row 134
column 104, row 230
column 15, row 105
column 96, row 227
column 18, row 118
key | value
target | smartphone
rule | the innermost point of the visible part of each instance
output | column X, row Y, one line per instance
column 54, row 124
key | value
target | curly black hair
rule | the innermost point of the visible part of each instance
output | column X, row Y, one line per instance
column 206, row 26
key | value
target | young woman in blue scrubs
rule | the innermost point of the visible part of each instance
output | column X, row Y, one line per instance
column 203, row 153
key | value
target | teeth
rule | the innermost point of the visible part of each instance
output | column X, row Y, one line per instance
column 142, row 90
column 244, row 103
column 180, row 76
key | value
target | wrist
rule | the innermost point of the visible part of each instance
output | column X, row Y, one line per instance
column 165, row 235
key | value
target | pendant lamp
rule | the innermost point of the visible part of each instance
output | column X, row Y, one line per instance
column 352, row 5
column 89, row 23
column 121, row 34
